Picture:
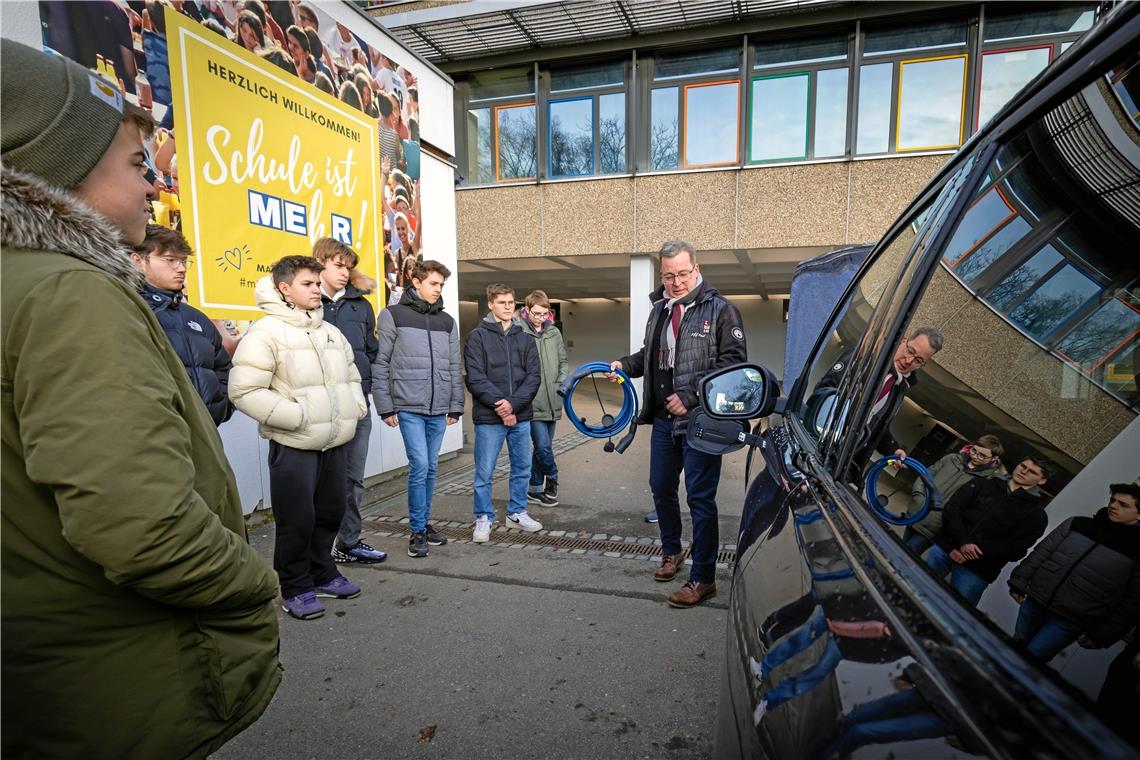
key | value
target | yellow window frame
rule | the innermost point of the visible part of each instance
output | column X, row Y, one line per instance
column 961, row 109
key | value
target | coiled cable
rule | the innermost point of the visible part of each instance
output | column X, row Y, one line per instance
column 878, row 504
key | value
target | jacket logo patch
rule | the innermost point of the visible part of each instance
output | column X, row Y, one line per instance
column 738, row 333
column 705, row 327
column 838, row 366
column 194, row 325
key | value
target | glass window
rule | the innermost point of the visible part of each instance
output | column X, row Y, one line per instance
column 986, row 214
column 1054, row 301
column 784, row 52
column 988, row 251
column 1111, row 331
column 501, row 83
column 571, row 125
column 1125, row 81
column 515, row 142
column 598, row 75
column 611, row 133
column 830, row 113
column 874, row 108
column 1022, row 279
column 480, row 158
column 699, row 63
column 1055, row 19
column 901, row 39
column 1004, row 73
column 931, row 103
column 712, row 119
column 779, row 118
column 663, row 129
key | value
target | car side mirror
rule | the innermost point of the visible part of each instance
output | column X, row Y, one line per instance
column 740, row 392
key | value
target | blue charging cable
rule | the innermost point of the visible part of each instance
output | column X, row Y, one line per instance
column 933, row 496
column 611, row 425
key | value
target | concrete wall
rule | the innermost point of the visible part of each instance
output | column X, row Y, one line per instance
column 759, row 207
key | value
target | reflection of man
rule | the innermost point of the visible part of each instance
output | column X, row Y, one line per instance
column 988, row 524
column 911, row 355
column 1082, row 581
column 691, row 330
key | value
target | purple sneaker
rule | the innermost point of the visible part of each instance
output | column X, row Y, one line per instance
column 303, row 606
column 339, row 588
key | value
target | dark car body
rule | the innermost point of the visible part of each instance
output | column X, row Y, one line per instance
column 839, row 638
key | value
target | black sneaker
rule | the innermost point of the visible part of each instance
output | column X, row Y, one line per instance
column 552, row 489
column 534, row 498
column 544, row 499
column 651, row 516
column 417, row 545
column 434, row 537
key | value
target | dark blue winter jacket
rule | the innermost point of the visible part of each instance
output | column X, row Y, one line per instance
column 501, row 365
column 198, row 344
column 352, row 314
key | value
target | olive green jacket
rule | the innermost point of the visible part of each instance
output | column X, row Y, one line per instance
column 137, row 622
column 552, row 357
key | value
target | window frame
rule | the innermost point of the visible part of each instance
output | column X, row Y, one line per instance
column 898, row 105
column 495, row 140
column 593, row 135
column 996, row 48
column 549, row 97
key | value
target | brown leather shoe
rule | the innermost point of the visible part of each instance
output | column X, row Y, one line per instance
column 691, row 594
column 670, row 563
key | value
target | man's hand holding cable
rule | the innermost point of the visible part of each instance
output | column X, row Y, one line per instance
column 675, row 406
column 614, row 367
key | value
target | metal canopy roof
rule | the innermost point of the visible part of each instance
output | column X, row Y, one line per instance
column 459, row 35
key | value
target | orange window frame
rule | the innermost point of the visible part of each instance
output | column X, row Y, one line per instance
column 961, row 109
column 495, row 140
column 993, row 231
column 1110, row 352
column 684, row 136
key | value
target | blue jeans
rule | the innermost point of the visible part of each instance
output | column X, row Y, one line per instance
column 902, row 716
column 915, row 541
column 795, row 642
column 966, row 582
column 355, row 454
column 1043, row 634
column 488, row 443
column 542, row 465
column 423, row 435
column 668, row 457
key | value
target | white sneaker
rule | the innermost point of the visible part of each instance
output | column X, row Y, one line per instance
column 523, row 521
column 482, row 533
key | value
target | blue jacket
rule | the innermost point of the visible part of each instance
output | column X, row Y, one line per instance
column 198, row 344
column 352, row 314
column 501, row 365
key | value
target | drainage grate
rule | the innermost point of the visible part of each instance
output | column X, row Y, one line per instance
column 629, row 547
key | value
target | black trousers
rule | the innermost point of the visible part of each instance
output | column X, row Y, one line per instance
column 308, row 493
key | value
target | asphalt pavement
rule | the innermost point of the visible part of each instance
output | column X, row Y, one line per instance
column 550, row 645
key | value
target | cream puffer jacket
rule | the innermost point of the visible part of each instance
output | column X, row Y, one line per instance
column 295, row 375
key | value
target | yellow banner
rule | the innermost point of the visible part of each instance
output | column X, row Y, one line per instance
column 267, row 165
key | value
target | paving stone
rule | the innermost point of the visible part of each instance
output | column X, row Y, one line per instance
column 557, row 533
column 577, row 551
column 615, row 555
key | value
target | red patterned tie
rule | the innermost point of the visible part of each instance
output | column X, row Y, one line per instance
column 676, row 320
column 887, row 386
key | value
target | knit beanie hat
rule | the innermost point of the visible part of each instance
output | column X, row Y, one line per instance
column 58, row 117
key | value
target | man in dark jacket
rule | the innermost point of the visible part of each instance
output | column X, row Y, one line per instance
column 137, row 622
column 503, row 375
column 418, row 387
column 691, row 331
column 343, row 291
column 1083, row 581
column 162, row 258
column 988, row 524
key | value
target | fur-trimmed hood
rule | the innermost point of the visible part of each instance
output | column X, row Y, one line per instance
column 37, row 216
column 361, row 281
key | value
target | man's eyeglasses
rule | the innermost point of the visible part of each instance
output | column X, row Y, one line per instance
column 913, row 357
column 669, row 279
column 174, row 262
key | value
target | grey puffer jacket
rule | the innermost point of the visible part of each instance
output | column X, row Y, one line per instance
column 547, row 404
column 950, row 473
column 1087, row 571
column 417, row 360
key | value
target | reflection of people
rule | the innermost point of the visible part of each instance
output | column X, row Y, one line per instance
column 137, row 621
column 296, row 375
column 538, row 322
column 503, row 375
column 988, row 524
column 981, row 459
column 691, row 330
column 419, row 388
column 911, row 355
column 1082, row 581
column 344, row 291
column 162, row 258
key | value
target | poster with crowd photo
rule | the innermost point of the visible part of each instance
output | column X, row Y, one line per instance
column 277, row 125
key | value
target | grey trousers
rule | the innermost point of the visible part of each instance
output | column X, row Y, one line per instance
column 356, row 452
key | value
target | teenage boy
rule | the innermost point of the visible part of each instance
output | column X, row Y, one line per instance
column 418, row 388
column 133, row 609
column 294, row 373
column 538, row 322
column 988, row 524
column 162, row 258
column 503, row 375
column 343, row 291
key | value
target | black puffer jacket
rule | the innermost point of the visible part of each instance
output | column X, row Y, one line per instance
column 1003, row 524
column 198, row 344
column 710, row 336
column 1087, row 571
column 352, row 314
column 501, row 365
column 877, row 435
